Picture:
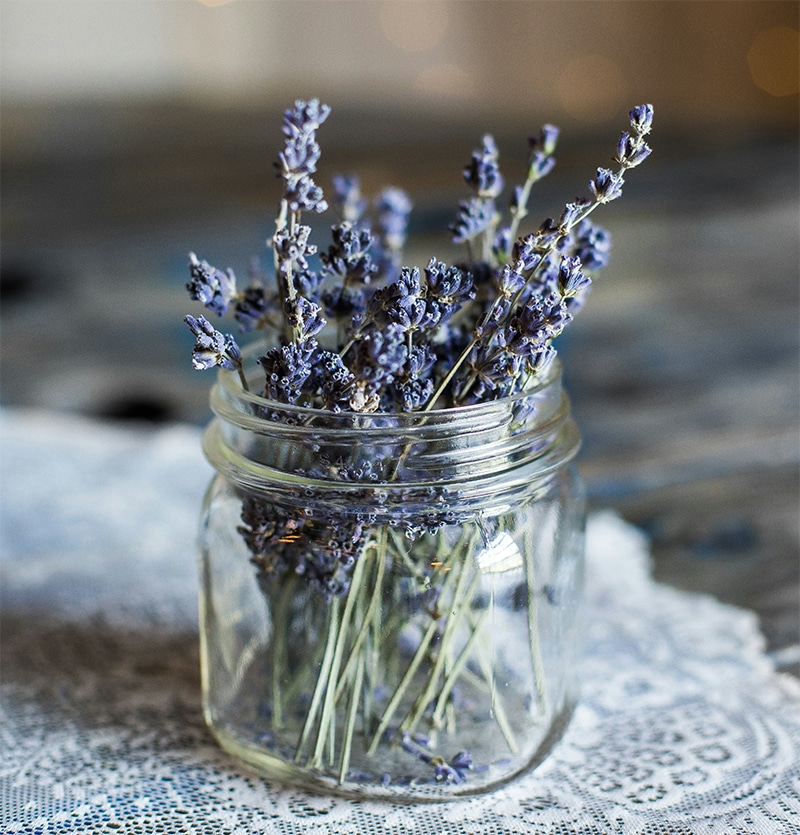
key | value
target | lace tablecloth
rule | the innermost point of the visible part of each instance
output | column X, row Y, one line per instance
column 683, row 729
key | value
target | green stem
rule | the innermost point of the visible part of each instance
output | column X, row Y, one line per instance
column 458, row 609
column 367, row 620
column 533, row 632
column 350, row 723
column 279, row 652
column 403, row 686
column 327, row 721
column 322, row 679
column 497, row 709
column 455, row 672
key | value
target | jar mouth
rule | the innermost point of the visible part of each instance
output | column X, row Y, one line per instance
column 231, row 402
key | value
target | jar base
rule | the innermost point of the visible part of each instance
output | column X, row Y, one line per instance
column 289, row 774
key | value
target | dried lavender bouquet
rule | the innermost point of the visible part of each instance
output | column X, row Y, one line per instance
column 349, row 330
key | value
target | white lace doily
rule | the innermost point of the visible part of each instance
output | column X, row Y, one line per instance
column 683, row 729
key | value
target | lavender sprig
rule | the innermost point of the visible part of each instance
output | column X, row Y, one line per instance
column 211, row 287
column 213, row 348
column 605, row 186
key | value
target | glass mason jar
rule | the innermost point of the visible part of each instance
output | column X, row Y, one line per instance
column 389, row 602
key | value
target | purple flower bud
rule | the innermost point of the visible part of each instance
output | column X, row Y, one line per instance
column 287, row 368
column 541, row 165
column 606, row 186
column 546, row 141
column 548, row 137
column 631, row 152
column 304, row 317
column 483, row 172
column 642, row 118
column 592, row 244
column 571, row 213
column 305, row 117
column 525, row 254
column 540, row 359
column 212, row 348
column 293, row 247
column 304, row 195
column 347, row 198
column 252, row 308
column 449, row 288
column 474, row 216
column 393, row 206
column 211, row 287
column 510, row 281
column 571, row 278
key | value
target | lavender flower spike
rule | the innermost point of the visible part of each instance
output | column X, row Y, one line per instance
column 642, row 118
column 606, row 186
column 211, row 287
column 483, row 171
column 212, row 348
column 300, row 155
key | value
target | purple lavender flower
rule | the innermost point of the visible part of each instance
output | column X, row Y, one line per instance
column 475, row 216
column 410, row 306
column 347, row 198
column 393, row 207
column 212, row 348
column 631, row 151
column 253, row 308
column 547, row 139
column 210, row 286
column 344, row 303
column 300, row 155
column 413, row 385
column 540, row 359
column 332, row 378
column 305, row 117
column 509, row 281
column 493, row 371
column 606, row 186
column 293, row 248
column 483, row 172
column 539, row 320
column 287, row 368
column 349, row 257
column 592, row 244
column 642, row 118
column 448, row 287
column 304, row 195
column 414, row 394
column 526, row 254
column 571, row 278
column 304, row 317
column 380, row 356
column 542, row 165
column 572, row 213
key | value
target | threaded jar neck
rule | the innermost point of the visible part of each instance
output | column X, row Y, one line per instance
column 481, row 450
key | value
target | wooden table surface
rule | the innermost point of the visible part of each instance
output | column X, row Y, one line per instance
column 683, row 367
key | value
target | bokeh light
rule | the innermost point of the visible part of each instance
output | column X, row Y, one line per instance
column 774, row 61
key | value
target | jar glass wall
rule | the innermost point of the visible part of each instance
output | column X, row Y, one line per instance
column 390, row 603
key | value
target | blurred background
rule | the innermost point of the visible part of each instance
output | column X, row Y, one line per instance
column 134, row 131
